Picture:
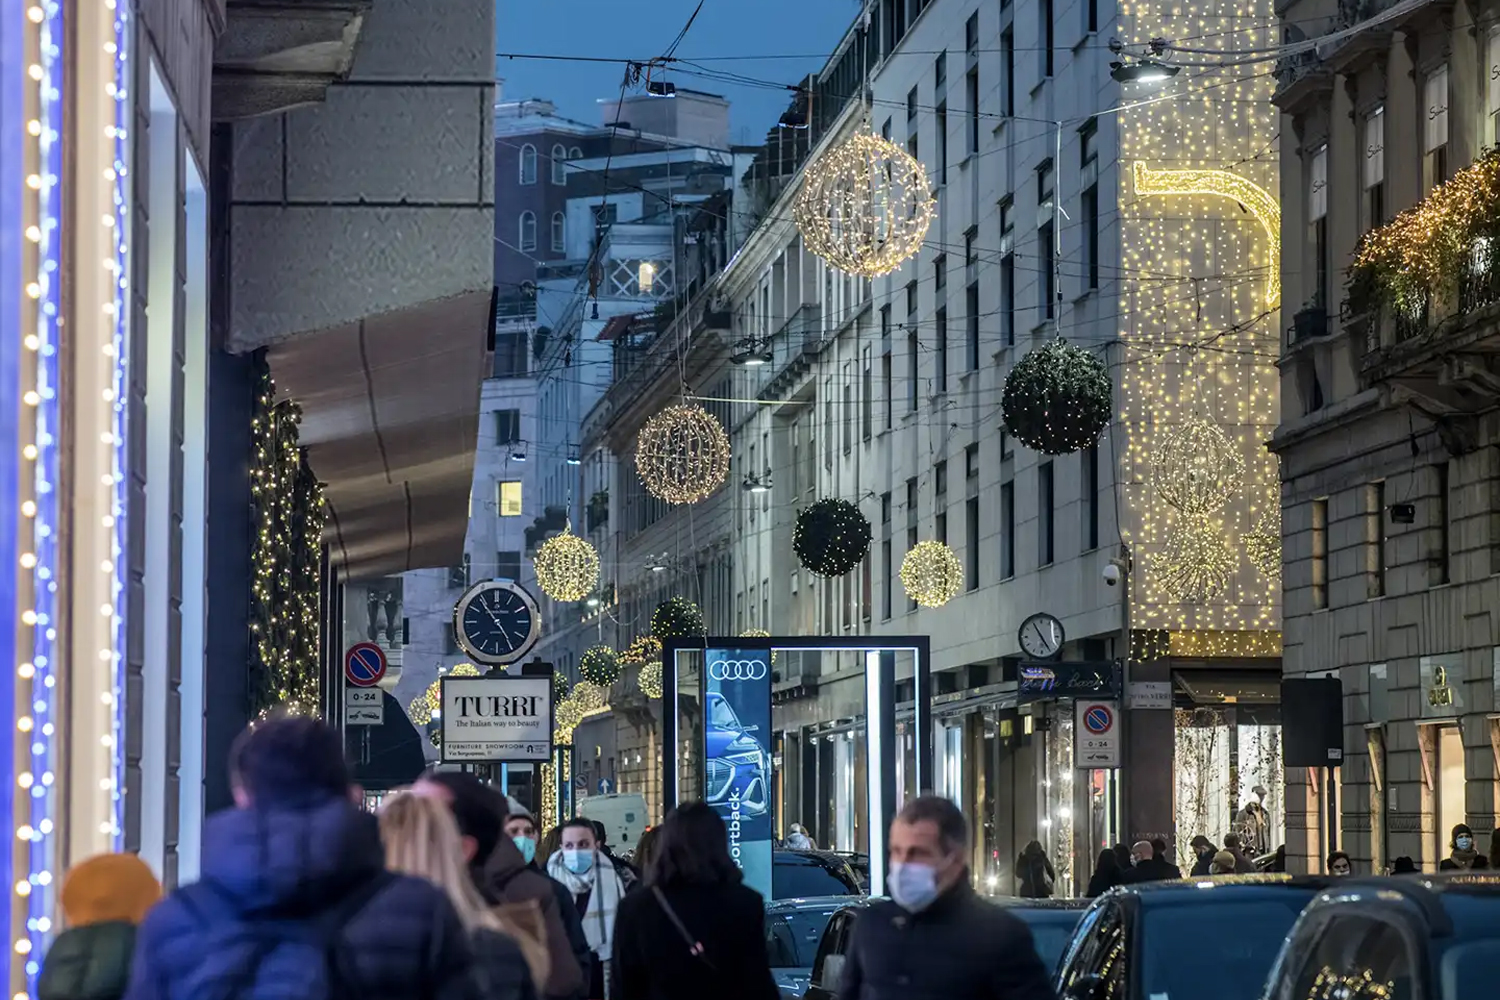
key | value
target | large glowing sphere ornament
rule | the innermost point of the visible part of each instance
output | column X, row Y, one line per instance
column 1195, row 564
column 677, row 618
column 1057, row 399
column 1196, row 467
column 649, row 679
column 567, row 567
column 932, row 574
column 831, row 537
column 1263, row 545
column 682, row 454
column 865, row 206
column 599, row 665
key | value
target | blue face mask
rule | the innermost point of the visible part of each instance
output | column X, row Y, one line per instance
column 578, row 862
column 527, row 847
column 913, row 885
column 1464, row 843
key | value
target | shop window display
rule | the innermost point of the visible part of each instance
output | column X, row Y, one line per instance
column 1230, row 777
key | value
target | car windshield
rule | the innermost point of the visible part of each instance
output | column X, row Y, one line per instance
column 1215, row 948
column 792, row 938
column 1051, row 930
column 1468, row 970
column 803, row 877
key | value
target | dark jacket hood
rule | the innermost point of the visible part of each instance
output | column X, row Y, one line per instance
column 290, row 861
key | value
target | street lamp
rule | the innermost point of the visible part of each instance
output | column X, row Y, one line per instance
column 1144, row 71
column 756, row 484
column 750, row 353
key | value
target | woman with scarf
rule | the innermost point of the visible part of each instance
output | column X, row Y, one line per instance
column 1465, row 856
column 597, row 889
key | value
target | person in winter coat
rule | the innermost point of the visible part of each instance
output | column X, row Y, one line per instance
column 295, row 902
column 1203, row 855
column 797, row 839
column 1034, row 875
column 695, row 931
column 1403, row 866
column 597, row 889
column 645, row 850
column 501, row 874
column 630, row 876
column 520, row 826
column 1242, row 864
column 1222, row 864
column 1159, row 849
column 1107, row 874
column 1465, row 856
column 421, row 839
column 103, row 899
column 935, row 937
column 1148, row 867
column 1339, row 864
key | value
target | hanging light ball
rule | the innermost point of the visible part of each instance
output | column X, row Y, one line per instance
column 567, row 567
column 599, row 665
column 590, row 697
column 1057, row 399
column 649, row 679
column 1197, row 561
column 865, row 206
column 932, row 574
column 561, row 686
column 1263, row 545
column 642, row 651
column 677, row 618
column 682, row 454
column 1196, row 468
column 420, row 710
column 831, row 537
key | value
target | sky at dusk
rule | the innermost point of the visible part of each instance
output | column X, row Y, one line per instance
column 789, row 39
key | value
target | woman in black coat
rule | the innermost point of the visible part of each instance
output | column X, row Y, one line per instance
column 1107, row 874
column 695, row 932
column 1034, row 874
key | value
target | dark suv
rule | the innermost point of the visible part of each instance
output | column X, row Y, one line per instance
column 1422, row 938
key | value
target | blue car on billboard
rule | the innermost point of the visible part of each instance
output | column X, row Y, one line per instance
column 738, row 766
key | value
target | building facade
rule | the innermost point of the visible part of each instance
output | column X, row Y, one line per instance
column 1388, row 437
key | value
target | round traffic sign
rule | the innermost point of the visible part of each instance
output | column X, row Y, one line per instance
column 1099, row 720
column 364, row 664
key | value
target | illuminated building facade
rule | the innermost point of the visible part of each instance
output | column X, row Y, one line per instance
column 1388, row 438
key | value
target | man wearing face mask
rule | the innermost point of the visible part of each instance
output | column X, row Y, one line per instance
column 597, row 890
column 1464, row 857
column 936, row 937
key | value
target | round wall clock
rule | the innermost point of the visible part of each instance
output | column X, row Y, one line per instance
column 1041, row 636
column 496, row 621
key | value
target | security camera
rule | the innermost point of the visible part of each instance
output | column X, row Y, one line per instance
column 1111, row 575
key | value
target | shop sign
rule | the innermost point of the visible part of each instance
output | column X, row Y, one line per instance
column 497, row 720
column 1149, row 694
column 1442, row 685
column 1048, row 681
column 1096, row 734
column 737, row 755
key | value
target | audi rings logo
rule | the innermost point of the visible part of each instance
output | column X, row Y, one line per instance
column 737, row 670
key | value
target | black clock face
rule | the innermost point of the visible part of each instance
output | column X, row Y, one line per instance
column 497, row 622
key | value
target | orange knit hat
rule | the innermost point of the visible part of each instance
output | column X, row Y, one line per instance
column 108, row 887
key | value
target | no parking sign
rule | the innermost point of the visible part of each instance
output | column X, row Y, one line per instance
column 1096, row 734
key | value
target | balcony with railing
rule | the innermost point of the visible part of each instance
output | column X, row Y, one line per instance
column 1424, row 291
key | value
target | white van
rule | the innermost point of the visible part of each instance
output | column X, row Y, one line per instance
column 623, row 815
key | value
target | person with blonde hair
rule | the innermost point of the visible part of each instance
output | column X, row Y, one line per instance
column 422, row 839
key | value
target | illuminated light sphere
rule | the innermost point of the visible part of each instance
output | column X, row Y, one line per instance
column 865, row 206
column 420, row 710
column 932, row 574
column 642, row 651
column 682, row 454
column 649, row 679
column 589, row 696
column 677, row 618
column 1196, row 467
column 567, row 567
column 1197, row 561
column 831, row 537
column 599, row 665
column 1057, row 399
column 561, row 686
column 1263, row 545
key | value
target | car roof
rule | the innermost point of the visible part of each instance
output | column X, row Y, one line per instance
column 800, row 903
column 1442, row 900
column 1192, row 890
column 1053, row 903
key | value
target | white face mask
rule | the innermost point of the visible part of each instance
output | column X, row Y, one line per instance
column 913, row 885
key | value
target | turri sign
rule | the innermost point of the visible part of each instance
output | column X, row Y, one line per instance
column 496, row 720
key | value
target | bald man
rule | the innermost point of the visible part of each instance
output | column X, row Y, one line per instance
column 1148, row 867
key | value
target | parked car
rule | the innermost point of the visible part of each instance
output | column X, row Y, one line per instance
column 793, row 929
column 739, row 768
column 1051, row 922
column 1435, row 937
column 1197, row 939
column 860, row 865
column 810, row 874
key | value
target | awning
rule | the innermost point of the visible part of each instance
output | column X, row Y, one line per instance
column 1230, row 687
column 390, row 420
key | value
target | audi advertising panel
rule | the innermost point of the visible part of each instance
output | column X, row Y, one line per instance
column 737, row 755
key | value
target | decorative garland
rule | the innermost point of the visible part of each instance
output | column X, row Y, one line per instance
column 831, row 537
column 287, row 508
column 599, row 665
column 677, row 618
column 1057, row 399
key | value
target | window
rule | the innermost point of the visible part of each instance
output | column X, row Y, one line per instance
column 1441, row 565
column 1007, row 530
column 1372, row 205
column 940, row 273
column 866, row 397
column 1317, row 214
column 1007, row 274
column 1375, row 539
column 508, row 498
column 1089, row 459
column 885, row 130
column 575, row 153
column 971, row 543
column 559, row 166
column 971, row 99
column 940, row 349
column 511, row 356
column 885, row 557
column 848, row 415
column 1044, row 514
column 971, row 34
column 1091, row 17
column 1356, row 949
column 911, row 105
column 559, row 232
column 942, row 142
column 1088, row 140
column 1452, row 774
column 940, row 502
column 1044, row 32
column 911, row 302
column 507, row 426
column 526, row 237
column 971, row 327
column 911, row 526
column 887, row 390
column 508, row 565
column 1435, row 129
column 1320, row 553
column 1008, row 70
column 940, row 72
column 1046, row 256
column 528, row 164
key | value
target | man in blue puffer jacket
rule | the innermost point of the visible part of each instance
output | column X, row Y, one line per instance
column 295, row 901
